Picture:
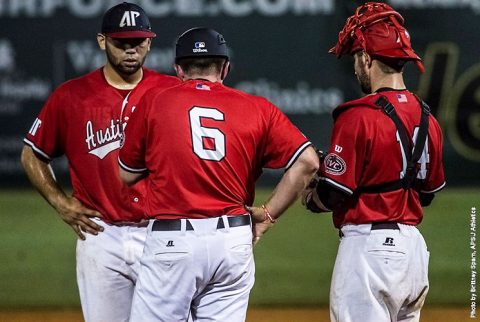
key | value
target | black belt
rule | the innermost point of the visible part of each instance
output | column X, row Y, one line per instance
column 176, row 224
column 385, row 225
column 378, row 226
column 169, row 224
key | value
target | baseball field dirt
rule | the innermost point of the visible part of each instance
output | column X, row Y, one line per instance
column 254, row 315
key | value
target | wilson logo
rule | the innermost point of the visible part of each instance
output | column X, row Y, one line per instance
column 200, row 50
column 334, row 164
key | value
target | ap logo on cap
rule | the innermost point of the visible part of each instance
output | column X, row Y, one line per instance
column 128, row 18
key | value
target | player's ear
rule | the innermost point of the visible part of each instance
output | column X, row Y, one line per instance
column 368, row 59
column 225, row 69
column 101, row 41
column 149, row 43
column 179, row 71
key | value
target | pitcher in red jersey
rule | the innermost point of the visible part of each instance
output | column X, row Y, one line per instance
column 84, row 119
column 383, row 165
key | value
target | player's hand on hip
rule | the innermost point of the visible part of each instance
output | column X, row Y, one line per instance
column 260, row 224
column 75, row 214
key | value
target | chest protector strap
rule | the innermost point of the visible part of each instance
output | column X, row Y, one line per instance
column 409, row 179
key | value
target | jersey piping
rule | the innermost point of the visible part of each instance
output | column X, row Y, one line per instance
column 36, row 149
column 436, row 189
column 337, row 185
column 130, row 169
column 297, row 154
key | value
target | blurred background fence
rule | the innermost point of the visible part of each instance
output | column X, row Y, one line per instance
column 279, row 50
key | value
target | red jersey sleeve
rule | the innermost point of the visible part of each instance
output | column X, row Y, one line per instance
column 435, row 179
column 285, row 142
column 342, row 166
column 45, row 134
column 132, row 153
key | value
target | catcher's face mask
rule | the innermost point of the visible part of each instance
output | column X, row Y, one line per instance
column 378, row 30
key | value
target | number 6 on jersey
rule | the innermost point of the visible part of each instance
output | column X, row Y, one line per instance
column 208, row 143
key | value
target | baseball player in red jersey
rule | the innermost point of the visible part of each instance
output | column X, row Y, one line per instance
column 384, row 164
column 201, row 146
column 84, row 119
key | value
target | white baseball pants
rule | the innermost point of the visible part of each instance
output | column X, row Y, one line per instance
column 379, row 275
column 107, row 268
column 205, row 270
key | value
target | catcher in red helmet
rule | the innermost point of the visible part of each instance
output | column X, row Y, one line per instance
column 378, row 30
column 383, row 165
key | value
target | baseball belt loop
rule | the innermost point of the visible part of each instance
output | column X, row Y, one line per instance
column 226, row 224
column 150, row 226
column 183, row 226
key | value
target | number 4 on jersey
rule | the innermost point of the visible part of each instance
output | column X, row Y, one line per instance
column 208, row 143
column 424, row 158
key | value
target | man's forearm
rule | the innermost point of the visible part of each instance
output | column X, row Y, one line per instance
column 42, row 178
column 71, row 210
column 130, row 178
column 293, row 182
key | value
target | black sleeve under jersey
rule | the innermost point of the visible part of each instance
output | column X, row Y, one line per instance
column 330, row 196
column 426, row 198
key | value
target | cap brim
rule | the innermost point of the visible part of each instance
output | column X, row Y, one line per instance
column 131, row 34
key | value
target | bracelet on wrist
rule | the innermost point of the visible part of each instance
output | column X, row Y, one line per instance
column 267, row 215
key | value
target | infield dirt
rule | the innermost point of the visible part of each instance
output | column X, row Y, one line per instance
column 254, row 315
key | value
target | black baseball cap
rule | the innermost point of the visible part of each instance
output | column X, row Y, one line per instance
column 126, row 20
column 200, row 42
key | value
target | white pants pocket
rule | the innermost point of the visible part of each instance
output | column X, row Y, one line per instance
column 170, row 252
column 386, row 243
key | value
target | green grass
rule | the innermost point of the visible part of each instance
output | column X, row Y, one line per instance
column 37, row 253
column 294, row 260
column 446, row 229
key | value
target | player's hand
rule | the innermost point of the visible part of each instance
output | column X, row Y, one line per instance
column 75, row 214
column 260, row 224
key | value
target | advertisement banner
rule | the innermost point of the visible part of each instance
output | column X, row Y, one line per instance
column 279, row 50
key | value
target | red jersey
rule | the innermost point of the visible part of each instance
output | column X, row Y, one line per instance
column 366, row 150
column 82, row 119
column 204, row 145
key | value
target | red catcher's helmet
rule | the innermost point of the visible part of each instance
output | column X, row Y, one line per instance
column 378, row 29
